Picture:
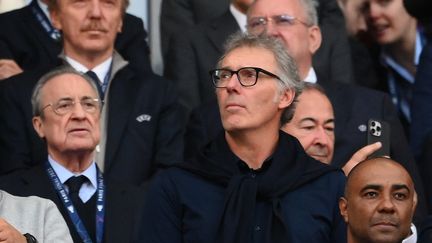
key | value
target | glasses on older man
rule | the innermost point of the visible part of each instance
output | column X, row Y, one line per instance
column 64, row 106
column 247, row 76
column 257, row 25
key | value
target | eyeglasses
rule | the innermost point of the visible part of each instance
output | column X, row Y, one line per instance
column 257, row 25
column 247, row 76
column 64, row 106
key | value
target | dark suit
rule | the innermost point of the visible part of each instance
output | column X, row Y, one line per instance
column 134, row 147
column 179, row 15
column 353, row 106
column 193, row 54
column 23, row 39
column 122, row 203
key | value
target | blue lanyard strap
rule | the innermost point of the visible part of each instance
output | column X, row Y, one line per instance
column 73, row 214
column 44, row 21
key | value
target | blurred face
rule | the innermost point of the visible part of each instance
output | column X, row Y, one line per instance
column 254, row 107
column 354, row 17
column 313, row 125
column 89, row 26
column 75, row 131
column 387, row 21
column 379, row 204
column 300, row 39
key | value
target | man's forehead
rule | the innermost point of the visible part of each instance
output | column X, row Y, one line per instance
column 275, row 7
column 379, row 172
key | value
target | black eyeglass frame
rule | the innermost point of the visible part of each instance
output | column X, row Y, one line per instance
column 257, row 70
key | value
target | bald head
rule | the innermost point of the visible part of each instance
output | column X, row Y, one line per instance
column 379, row 202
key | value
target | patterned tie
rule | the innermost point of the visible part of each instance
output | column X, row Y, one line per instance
column 96, row 80
column 74, row 183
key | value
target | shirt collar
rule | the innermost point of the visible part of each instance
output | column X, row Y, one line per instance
column 389, row 61
column 44, row 9
column 311, row 76
column 101, row 70
column 413, row 237
column 64, row 174
column 239, row 17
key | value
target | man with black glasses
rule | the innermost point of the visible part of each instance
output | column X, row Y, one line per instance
column 253, row 182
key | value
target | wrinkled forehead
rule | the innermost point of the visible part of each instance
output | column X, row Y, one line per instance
column 67, row 85
column 266, row 8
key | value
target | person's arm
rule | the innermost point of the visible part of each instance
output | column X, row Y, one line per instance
column 360, row 156
column 55, row 228
column 9, row 68
column 9, row 234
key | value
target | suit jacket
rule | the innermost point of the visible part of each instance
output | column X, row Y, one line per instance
column 193, row 54
column 24, row 40
column 135, row 147
column 122, row 202
column 179, row 15
column 353, row 107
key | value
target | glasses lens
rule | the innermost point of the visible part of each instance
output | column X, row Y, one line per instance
column 90, row 105
column 63, row 106
column 256, row 25
column 221, row 77
column 247, row 76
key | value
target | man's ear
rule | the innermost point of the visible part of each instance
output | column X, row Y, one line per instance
column 315, row 38
column 286, row 98
column 38, row 126
column 343, row 208
column 415, row 200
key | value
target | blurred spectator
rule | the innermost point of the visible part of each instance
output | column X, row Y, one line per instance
column 179, row 15
column 29, row 40
column 401, row 42
column 194, row 52
column 24, row 219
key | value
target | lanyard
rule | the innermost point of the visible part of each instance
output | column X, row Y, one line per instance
column 73, row 214
column 44, row 21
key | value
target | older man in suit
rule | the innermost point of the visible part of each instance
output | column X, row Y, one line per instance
column 139, row 121
column 66, row 109
column 28, row 39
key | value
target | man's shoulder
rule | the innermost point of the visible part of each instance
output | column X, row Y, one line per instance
column 11, row 16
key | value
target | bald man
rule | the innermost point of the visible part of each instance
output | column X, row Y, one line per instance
column 379, row 203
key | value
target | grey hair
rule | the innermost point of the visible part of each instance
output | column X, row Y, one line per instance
column 286, row 66
column 37, row 90
column 310, row 7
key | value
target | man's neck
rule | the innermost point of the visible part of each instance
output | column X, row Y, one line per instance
column 253, row 147
column 403, row 51
column 87, row 59
column 75, row 162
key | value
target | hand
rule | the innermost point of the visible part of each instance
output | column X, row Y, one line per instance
column 9, row 234
column 360, row 156
column 8, row 68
